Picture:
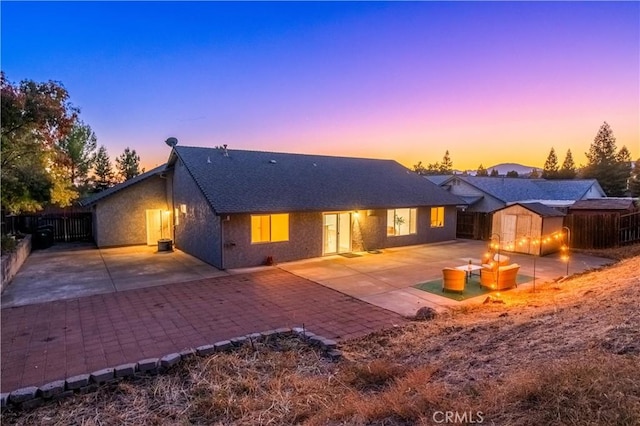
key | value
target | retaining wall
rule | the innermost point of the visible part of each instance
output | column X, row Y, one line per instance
column 12, row 262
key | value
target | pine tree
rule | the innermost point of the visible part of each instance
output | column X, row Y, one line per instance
column 419, row 168
column 128, row 164
column 512, row 174
column 534, row 174
column 446, row 167
column 494, row 173
column 482, row 171
column 634, row 182
column 568, row 169
column 605, row 165
column 102, row 170
column 550, row 170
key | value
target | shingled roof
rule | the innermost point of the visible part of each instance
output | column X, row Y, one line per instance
column 119, row 187
column 604, row 204
column 237, row 181
column 510, row 190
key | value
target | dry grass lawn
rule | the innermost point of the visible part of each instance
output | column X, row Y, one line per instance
column 568, row 354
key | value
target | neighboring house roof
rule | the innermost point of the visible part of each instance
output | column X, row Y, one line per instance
column 254, row 181
column 604, row 204
column 537, row 208
column 510, row 190
column 119, row 187
column 438, row 179
column 471, row 200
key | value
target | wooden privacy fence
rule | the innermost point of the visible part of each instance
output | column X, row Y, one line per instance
column 66, row 227
column 604, row 230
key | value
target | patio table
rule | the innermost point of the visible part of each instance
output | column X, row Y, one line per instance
column 469, row 268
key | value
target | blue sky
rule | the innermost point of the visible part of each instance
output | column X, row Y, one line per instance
column 490, row 82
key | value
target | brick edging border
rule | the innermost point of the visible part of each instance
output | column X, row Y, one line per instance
column 34, row 396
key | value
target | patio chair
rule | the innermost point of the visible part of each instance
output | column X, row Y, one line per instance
column 453, row 279
column 502, row 278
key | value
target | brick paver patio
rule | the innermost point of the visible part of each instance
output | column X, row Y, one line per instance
column 56, row 340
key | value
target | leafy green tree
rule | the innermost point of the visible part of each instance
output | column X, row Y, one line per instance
column 104, row 176
column 550, row 170
column 512, row 174
column 128, row 164
column 568, row 169
column 482, row 171
column 604, row 164
column 34, row 117
column 494, row 173
column 78, row 153
column 634, row 182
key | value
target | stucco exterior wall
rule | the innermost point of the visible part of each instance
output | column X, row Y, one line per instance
column 305, row 240
column 375, row 229
column 368, row 232
column 198, row 230
column 120, row 219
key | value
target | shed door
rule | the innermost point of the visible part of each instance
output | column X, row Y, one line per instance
column 508, row 229
column 523, row 231
column 154, row 226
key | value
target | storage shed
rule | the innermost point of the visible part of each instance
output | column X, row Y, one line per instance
column 530, row 228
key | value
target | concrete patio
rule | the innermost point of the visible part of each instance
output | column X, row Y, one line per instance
column 387, row 279
column 67, row 271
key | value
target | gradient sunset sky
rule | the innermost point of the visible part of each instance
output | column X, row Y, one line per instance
column 490, row 82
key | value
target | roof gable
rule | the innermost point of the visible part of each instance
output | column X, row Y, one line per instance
column 237, row 181
column 92, row 199
column 537, row 208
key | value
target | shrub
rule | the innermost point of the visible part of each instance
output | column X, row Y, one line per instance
column 8, row 244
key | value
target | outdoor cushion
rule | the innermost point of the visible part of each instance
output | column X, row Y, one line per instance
column 498, row 260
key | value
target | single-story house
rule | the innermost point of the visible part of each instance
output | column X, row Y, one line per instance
column 236, row 208
column 530, row 228
column 485, row 195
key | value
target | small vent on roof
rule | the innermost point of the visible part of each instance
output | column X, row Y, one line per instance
column 208, row 159
column 315, row 165
column 272, row 161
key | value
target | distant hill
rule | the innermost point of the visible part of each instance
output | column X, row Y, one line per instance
column 504, row 168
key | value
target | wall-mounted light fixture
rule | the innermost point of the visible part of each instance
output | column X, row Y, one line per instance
column 183, row 208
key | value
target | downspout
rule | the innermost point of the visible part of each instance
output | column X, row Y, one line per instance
column 221, row 242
